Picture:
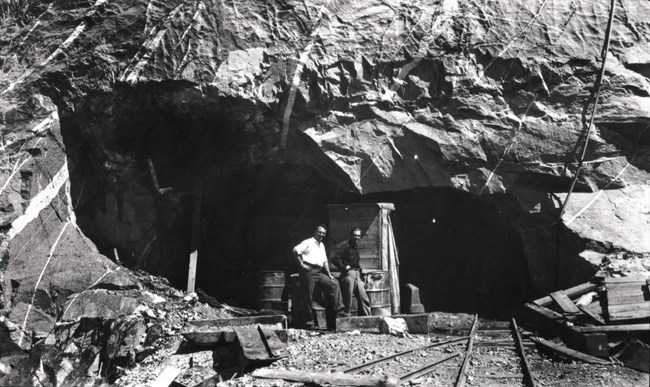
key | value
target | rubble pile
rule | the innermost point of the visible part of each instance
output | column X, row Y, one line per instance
column 103, row 331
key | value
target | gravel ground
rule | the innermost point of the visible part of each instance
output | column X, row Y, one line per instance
column 491, row 365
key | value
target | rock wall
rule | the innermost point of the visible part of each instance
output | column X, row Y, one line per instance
column 487, row 98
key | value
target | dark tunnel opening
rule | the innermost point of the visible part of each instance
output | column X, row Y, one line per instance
column 464, row 252
column 456, row 248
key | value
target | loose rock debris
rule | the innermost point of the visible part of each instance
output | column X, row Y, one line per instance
column 142, row 345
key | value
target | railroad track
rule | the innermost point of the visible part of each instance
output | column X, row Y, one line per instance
column 507, row 363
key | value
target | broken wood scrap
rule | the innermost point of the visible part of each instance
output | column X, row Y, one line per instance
column 543, row 319
column 564, row 302
column 615, row 328
column 575, row 291
column 320, row 378
column 552, row 324
column 166, row 377
column 598, row 319
column 570, row 353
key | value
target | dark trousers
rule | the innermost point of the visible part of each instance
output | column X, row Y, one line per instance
column 325, row 291
column 351, row 285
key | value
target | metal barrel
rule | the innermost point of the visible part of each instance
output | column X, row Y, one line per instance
column 272, row 286
column 378, row 290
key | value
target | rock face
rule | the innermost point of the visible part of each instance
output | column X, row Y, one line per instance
column 273, row 109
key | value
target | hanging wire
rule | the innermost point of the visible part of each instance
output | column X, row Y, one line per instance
column 593, row 111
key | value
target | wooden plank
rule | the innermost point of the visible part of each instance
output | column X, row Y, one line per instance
column 551, row 323
column 320, row 378
column 166, row 377
column 215, row 337
column 624, row 286
column 595, row 307
column 462, row 373
column 238, row 321
column 624, row 292
column 416, row 323
column 196, row 239
column 598, row 319
column 575, row 291
column 564, row 302
column 615, row 328
column 393, row 266
column 631, row 299
column 628, row 311
column 575, row 355
column 640, row 279
column 542, row 319
column 628, row 295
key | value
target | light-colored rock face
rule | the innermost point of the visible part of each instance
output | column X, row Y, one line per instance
column 372, row 97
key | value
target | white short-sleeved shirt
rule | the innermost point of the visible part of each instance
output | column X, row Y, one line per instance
column 312, row 252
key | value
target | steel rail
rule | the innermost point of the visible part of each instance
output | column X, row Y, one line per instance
column 528, row 375
column 424, row 370
column 462, row 374
column 384, row 359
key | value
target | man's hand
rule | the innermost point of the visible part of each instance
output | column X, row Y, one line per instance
column 306, row 267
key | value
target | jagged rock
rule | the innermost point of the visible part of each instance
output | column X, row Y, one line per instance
column 98, row 304
column 359, row 98
column 119, row 280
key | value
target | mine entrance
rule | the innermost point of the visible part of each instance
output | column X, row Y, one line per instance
column 459, row 249
column 252, row 218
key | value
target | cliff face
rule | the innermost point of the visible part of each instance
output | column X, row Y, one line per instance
column 469, row 104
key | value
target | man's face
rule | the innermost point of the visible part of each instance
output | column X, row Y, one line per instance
column 319, row 234
column 356, row 235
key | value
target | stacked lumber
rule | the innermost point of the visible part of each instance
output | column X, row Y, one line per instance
column 595, row 320
column 627, row 298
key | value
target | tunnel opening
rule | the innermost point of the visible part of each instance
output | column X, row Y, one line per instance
column 466, row 253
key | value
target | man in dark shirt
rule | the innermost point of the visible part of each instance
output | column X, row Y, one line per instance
column 346, row 259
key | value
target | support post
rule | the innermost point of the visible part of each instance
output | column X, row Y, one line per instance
column 196, row 238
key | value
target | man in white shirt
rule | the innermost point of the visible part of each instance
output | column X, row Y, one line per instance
column 315, row 273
